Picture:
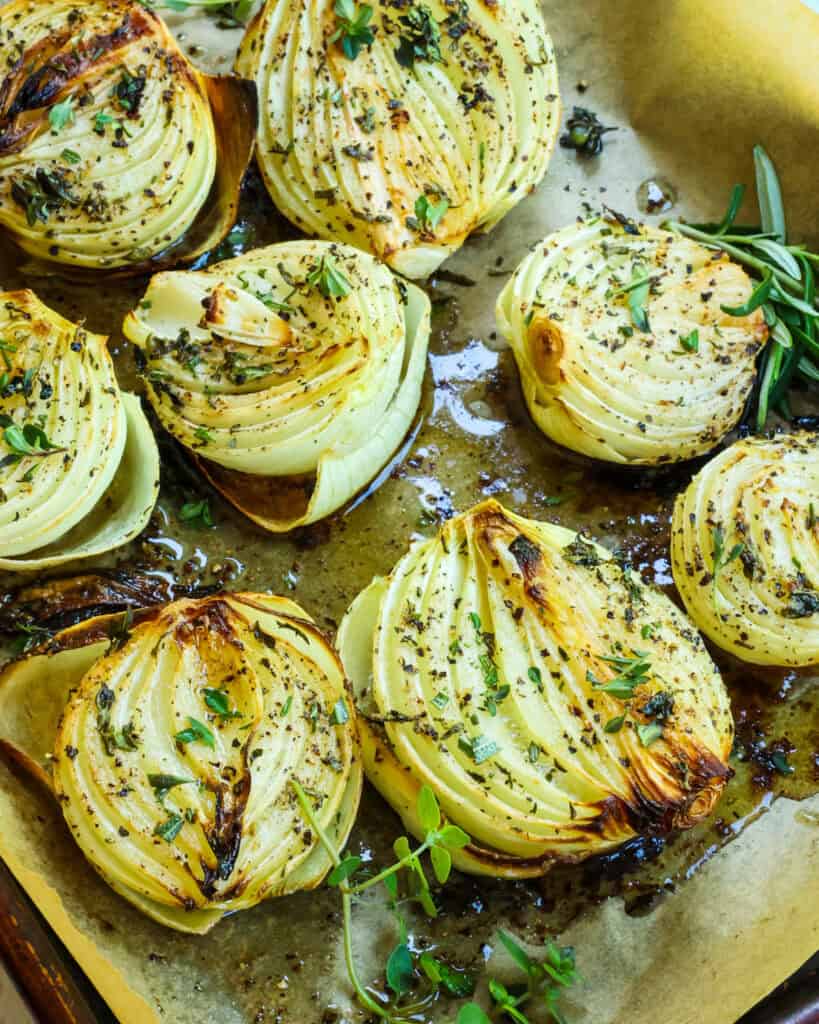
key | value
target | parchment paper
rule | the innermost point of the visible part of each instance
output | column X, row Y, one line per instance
column 691, row 87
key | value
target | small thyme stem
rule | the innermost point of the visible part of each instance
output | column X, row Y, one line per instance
column 397, row 866
column 346, row 903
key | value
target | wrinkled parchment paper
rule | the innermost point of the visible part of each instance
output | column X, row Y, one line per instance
column 691, row 87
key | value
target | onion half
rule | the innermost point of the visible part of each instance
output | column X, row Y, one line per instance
column 435, row 130
column 173, row 758
column 79, row 467
column 291, row 398
column 745, row 549
column 555, row 704
column 624, row 349
column 109, row 137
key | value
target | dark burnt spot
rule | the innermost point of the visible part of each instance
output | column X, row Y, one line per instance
column 526, row 554
column 54, row 64
column 225, row 835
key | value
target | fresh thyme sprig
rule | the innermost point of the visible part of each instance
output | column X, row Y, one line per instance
column 439, row 840
column 786, row 289
column 545, row 980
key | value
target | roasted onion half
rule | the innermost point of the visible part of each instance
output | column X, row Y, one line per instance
column 79, row 467
column 624, row 348
column 293, row 372
column 401, row 128
column 109, row 136
column 174, row 756
column 745, row 550
column 556, row 705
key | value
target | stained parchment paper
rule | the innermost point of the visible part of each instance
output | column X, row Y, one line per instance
column 691, row 87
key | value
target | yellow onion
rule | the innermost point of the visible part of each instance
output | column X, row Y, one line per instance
column 625, row 374
column 434, row 130
column 293, row 372
column 79, row 467
column 108, row 142
column 555, row 704
column 745, row 550
column 174, row 756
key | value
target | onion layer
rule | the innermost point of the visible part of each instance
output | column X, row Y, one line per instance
column 107, row 142
column 79, row 472
column 435, row 130
column 556, row 705
column 624, row 350
column 745, row 550
column 174, row 756
column 293, row 372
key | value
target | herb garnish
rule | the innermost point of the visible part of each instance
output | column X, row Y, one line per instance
column 353, row 27
column 61, row 114
column 439, row 839
column 585, row 132
column 170, row 828
column 228, row 14
column 545, row 981
column 195, row 732
column 219, row 703
column 720, row 558
column 339, row 715
column 691, row 342
column 785, row 289
column 428, row 215
column 27, row 440
column 420, row 37
column 329, row 280
column 632, row 672
column 479, row 748
column 197, row 513
column 162, row 784
column 41, row 194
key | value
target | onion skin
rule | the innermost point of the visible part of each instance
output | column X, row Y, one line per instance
column 290, row 399
column 95, row 488
column 240, row 836
column 497, row 601
column 763, row 495
column 598, row 384
column 347, row 147
column 121, row 176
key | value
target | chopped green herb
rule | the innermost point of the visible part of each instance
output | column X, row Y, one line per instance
column 353, row 29
column 440, row 700
column 585, row 132
column 219, row 703
column 197, row 513
column 162, row 784
column 649, row 733
column 170, row 828
column 691, row 342
column 614, row 724
column 428, row 215
column 329, row 280
column 721, row 559
column 61, row 114
column 196, row 732
column 339, row 714
column 479, row 748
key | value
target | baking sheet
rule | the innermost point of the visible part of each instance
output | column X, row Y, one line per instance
column 696, row 929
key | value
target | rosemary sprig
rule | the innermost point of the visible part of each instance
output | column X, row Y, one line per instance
column 786, row 288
